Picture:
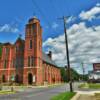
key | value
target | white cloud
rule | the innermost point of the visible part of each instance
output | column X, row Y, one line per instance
column 55, row 25
column 84, row 45
column 71, row 19
column 98, row 4
column 90, row 14
column 8, row 28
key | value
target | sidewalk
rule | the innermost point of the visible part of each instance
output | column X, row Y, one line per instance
column 86, row 97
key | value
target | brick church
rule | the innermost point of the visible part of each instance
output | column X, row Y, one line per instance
column 24, row 61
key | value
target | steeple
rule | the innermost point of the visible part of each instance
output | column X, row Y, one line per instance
column 33, row 48
column 19, row 39
column 34, row 20
column 33, row 40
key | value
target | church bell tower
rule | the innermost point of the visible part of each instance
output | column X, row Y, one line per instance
column 33, row 52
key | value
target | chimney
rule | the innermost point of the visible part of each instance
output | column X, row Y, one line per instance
column 50, row 54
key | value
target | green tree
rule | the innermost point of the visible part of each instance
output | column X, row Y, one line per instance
column 84, row 77
column 64, row 74
column 75, row 75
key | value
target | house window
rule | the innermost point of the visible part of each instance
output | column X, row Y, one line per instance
column 30, row 44
column 13, row 63
column 7, row 52
column 29, row 61
column 32, row 61
column 5, row 64
column 34, row 28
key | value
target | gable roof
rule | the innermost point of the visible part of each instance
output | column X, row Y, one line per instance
column 19, row 40
column 7, row 43
column 47, row 59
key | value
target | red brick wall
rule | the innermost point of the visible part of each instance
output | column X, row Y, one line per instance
column 51, row 73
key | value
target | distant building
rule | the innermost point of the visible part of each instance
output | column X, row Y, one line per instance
column 24, row 62
column 94, row 76
column 96, row 66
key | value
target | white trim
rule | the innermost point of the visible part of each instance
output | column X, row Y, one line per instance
column 31, row 67
column 8, row 69
column 19, row 69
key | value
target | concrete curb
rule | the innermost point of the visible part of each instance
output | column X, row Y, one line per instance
column 76, row 96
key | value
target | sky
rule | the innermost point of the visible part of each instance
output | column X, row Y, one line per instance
column 83, row 27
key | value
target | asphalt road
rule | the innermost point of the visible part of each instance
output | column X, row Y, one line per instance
column 37, row 93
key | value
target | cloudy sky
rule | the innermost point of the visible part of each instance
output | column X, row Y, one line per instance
column 83, row 27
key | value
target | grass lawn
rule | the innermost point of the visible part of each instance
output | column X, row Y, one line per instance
column 64, row 96
column 90, row 85
column 7, row 92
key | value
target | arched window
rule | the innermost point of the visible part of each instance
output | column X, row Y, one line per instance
column 5, row 64
column 30, row 61
column 30, row 44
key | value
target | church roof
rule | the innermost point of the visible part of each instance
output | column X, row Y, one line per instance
column 47, row 59
column 6, row 44
column 19, row 40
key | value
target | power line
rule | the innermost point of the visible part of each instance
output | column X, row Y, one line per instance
column 68, row 8
column 53, row 6
column 83, row 69
column 42, row 13
column 37, row 7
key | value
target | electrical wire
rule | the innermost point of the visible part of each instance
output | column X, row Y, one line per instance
column 42, row 14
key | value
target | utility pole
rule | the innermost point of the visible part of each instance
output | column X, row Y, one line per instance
column 83, row 69
column 67, row 54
